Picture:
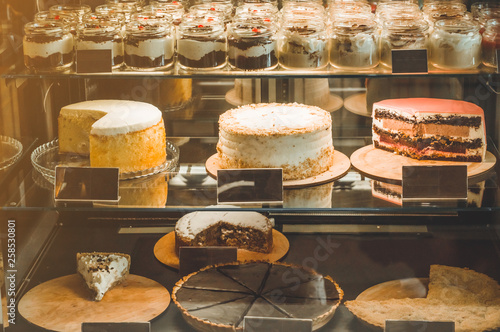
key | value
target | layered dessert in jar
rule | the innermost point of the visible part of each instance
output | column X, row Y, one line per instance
column 149, row 44
column 252, row 45
column 354, row 44
column 455, row 44
column 95, row 34
column 201, row 44
column 48, row 46
column 303, row 45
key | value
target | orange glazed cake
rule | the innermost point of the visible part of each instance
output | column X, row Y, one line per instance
column 294, row 137
column 126, row 134
column 430, row 128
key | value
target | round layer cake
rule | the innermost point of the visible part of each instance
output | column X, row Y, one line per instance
column 294, row 137
column 217, row 298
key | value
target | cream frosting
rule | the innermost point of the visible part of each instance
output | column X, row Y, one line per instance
column 116, row 47
column 121, row 116
column 193, row 223
column 254, row 51
column 64, row 45
column 197, row 49
column 152, row 48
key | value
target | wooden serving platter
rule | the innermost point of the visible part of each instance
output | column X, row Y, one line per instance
column 164, row 250
column 384, row 165
column 340, row 167
column 64, row 303
column 357, row 104
column 396, row 289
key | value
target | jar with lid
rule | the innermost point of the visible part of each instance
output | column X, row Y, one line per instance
column 403, row 34
column 149, row 43
column 354, row 44
column 96, row 34
column 491, row 43
column 455, row 44
column 71, row 9
column 201, row 44
column 252, row 45
column 48, row 46
column 303, row 45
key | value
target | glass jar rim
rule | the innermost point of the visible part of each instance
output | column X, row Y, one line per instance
column 252, row 28
column 457, row 24
column 46, row 28
column 354, row 25
column 201, row 27
column 406, row 24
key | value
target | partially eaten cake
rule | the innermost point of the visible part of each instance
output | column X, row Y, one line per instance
column 245, row 230
column 102, row 271
column 429, row 128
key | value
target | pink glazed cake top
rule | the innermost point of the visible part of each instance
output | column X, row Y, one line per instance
column 430, row 105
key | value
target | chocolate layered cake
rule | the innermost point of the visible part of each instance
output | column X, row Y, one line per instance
column 201, row 46
column 252, row 46
column 48, row 47
column 217, row 298
column 244, row 230
column 427, row 128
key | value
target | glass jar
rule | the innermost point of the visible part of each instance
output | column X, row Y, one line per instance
column 68, row 9
column 149, row 43
column 455, row 44
column 354, row 44
column 201, row 44
column 303, row 45
column 402, row 35
column 438, row 10
column 174, row 9
column 225, row 10
column 257, row 11
column 488, row 14
column 120, row 9
column 477, row 7
column 69, row 19
column 95, row 34
column 47, row 46
column 491, row 43
column 252, row 45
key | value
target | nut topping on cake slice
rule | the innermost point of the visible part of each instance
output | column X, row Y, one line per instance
column 102, row 271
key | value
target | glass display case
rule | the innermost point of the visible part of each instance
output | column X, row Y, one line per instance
column 355, row 227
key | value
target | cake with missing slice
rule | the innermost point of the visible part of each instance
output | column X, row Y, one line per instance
column 429, row 128
column 102, row 271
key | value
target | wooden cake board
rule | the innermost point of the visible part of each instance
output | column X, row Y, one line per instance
column 384, row 165
column 333, row 104
column 396, row 289
column 164, row 250
column 357, row 104
column 341, row 166
column 64, row 303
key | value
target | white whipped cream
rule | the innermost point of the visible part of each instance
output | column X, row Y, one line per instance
column 152, row 48
column 254, row 51
column 454, row 50
column 196, row 49
column 64, row 45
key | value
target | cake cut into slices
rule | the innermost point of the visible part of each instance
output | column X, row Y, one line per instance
column 466, row 297
column 217, row 298
column 430, row 128
column 102, row 271
column 294, row 137
column 126, row 134
column 245, row 230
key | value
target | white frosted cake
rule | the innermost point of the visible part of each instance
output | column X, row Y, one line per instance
column 294, row 137
column 129, row 135
column 102, row 271
column 241, row 229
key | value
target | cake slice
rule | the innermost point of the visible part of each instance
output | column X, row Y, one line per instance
column 430, row 128
column 101, row 271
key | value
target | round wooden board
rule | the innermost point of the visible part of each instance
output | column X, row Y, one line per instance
column 380, row 164
column 164, row 250
column 64, row 303
column 333, row 104
column 396, row 289
column 357, row 104
column 341, row 166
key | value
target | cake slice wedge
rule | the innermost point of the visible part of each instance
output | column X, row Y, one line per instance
column 102, row 271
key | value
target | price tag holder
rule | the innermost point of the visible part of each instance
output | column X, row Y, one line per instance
column 116, row 327
column 250, row 186
column 86, row 184
column 435, row 183
column 192, row 259
column 418, row 326
column 258, row 324
column 409, row 61
column 93, row 61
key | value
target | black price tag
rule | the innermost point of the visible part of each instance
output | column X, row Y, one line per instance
column 116, row 327
column 86, row 184
column 93, row 61
column 192, row 259
column 435, row 183
column 258, row 324
column 250, row 185
column 418, row 326
column 409, row 61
